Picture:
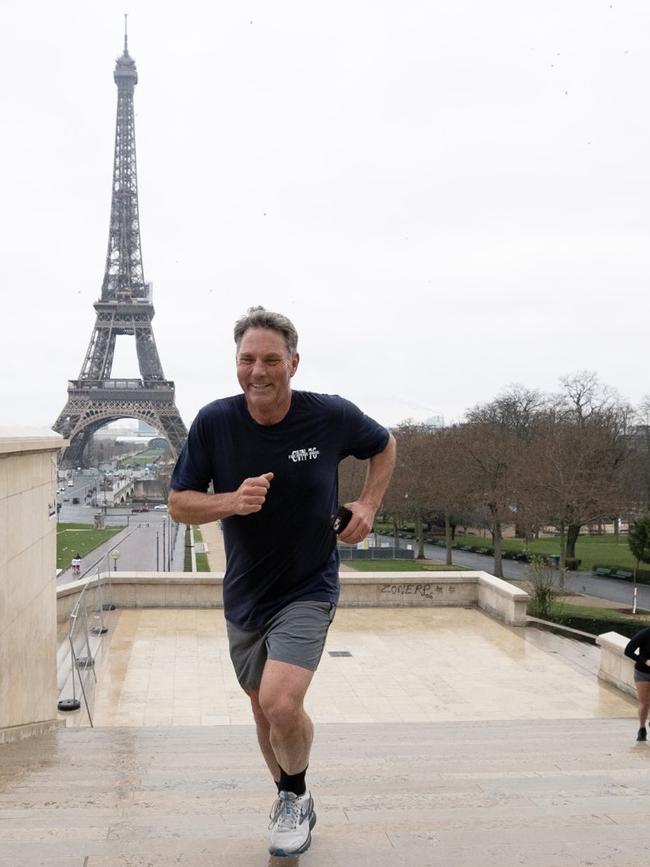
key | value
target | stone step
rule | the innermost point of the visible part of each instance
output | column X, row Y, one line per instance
column 542, row 793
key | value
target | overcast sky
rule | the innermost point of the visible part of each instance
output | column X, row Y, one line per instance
column 445, row 197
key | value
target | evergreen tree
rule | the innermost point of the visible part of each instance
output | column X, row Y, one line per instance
column 638, row 538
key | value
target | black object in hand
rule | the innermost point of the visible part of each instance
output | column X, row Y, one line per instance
column 341, row 519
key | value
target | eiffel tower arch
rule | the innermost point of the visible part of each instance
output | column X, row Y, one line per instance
column 125, row 307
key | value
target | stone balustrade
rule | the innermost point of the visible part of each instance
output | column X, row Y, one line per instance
column 615, row 667
column 361, row 590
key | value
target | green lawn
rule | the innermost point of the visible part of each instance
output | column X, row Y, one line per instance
column 150, row 456
column 598, row 611
column 397, row 566
column 202, row 564
column 594, row 619
column 79, row 538
column 603, row 550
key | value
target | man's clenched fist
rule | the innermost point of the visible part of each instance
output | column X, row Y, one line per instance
column 250, row 495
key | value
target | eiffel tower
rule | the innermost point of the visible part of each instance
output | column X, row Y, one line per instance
column 125, row 307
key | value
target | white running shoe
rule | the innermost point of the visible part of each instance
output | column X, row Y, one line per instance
column 292, row 819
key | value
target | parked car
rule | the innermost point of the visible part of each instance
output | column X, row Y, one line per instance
column 71, row 484
column 140, row 509
column 161, row 507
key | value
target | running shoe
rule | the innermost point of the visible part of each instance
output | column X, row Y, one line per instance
column 292, row 819
column 642, row 735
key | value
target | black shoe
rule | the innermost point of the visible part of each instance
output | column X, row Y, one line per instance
column 642, row 734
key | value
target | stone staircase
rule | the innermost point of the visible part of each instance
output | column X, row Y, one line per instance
column 544, row 793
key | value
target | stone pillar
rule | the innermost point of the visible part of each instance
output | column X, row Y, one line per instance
column 28, row 481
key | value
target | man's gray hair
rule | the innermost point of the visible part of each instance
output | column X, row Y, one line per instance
column 260, row 317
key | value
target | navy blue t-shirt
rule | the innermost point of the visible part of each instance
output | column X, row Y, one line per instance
column 287, row 551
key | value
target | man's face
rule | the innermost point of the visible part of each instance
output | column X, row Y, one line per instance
column 264, row 370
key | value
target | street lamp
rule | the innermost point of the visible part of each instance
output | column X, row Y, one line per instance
column 116, row 556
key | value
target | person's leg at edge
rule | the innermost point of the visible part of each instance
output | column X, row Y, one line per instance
column 643, row 692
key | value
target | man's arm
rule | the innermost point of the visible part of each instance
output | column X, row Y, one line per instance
column 194, row 507
column 364, row 509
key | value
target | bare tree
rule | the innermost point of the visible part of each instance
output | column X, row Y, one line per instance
column 492, row 451
column 410, row 492
column 516, row 409
column 589, row 405
column 452, row 481
column 636, row 472
column 573, row 475
column 497, row 439
column 352, row 476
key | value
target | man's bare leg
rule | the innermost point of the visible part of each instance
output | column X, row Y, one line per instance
column 285, row 734
column 263, row 734
column 290, row 731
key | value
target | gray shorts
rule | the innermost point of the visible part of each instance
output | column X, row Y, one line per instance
column 296, row 635
column 641, row 677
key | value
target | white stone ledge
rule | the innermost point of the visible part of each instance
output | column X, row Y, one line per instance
column 362, row 590
column 18, row 439
column 615, row 667
column 502, row 600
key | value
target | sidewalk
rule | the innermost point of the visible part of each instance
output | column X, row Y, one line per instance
column 178, row 554
column 213, row 537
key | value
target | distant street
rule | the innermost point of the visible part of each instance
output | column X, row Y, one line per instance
column 84, row 514
column 139, row 548
column 576, row 582
column 142, row 546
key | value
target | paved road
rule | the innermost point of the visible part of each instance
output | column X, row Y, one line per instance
column 140, row 550
column 576, row 582
column 84, row 514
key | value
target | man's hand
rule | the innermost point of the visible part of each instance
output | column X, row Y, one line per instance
column 251, row 494
column 361, row 522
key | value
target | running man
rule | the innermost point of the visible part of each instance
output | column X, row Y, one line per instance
column 272, row 455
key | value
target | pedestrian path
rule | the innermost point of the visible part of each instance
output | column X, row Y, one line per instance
column 169, row 667
column 213, row 537
column 178, row 551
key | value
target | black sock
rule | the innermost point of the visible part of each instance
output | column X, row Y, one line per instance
column 292, row 782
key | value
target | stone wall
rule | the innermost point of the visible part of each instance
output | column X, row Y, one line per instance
column 615, row 667
column 28, row 686
column 363, row 590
